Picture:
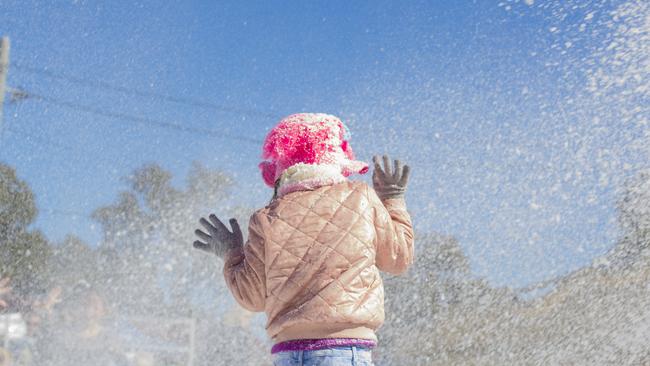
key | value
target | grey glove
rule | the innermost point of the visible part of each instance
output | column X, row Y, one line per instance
column 220, row 240
column 389, row 183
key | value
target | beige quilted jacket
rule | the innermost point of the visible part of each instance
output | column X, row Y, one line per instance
column 312, row 261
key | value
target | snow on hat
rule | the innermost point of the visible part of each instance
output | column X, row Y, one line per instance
column 308, row 138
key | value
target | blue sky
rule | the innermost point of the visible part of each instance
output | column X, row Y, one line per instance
column 485, row 99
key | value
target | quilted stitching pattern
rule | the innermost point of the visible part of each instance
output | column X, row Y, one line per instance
column 320, row 251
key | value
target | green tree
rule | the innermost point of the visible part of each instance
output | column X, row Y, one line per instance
column 147, row 236
column 24, row 253
column 634, row 219
column 150, row 269
column 73, row 261
column 438, row 313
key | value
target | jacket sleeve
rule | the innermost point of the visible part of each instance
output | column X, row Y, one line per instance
column 244, row 269
column 394, row 234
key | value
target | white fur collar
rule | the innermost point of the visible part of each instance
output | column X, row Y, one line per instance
column 303, row 177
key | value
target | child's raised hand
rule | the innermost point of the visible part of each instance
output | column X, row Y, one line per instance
column 220, row 240
column 390, row 182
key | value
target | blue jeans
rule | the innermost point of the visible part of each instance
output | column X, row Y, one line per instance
column 337, row 356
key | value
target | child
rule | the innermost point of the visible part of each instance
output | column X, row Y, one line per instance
column 313, row 255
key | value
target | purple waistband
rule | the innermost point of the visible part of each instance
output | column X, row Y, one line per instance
column 315, row 344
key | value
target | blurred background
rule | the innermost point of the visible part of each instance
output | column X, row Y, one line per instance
column 525, row 122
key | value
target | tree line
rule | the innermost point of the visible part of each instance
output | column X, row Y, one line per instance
column 144, row 270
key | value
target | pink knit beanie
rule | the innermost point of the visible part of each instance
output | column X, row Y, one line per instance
column 308, row 138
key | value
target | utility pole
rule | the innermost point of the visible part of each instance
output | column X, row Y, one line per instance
column 4, row 68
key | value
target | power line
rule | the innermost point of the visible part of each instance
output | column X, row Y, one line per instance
column 141, row 120
column 97, row 84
